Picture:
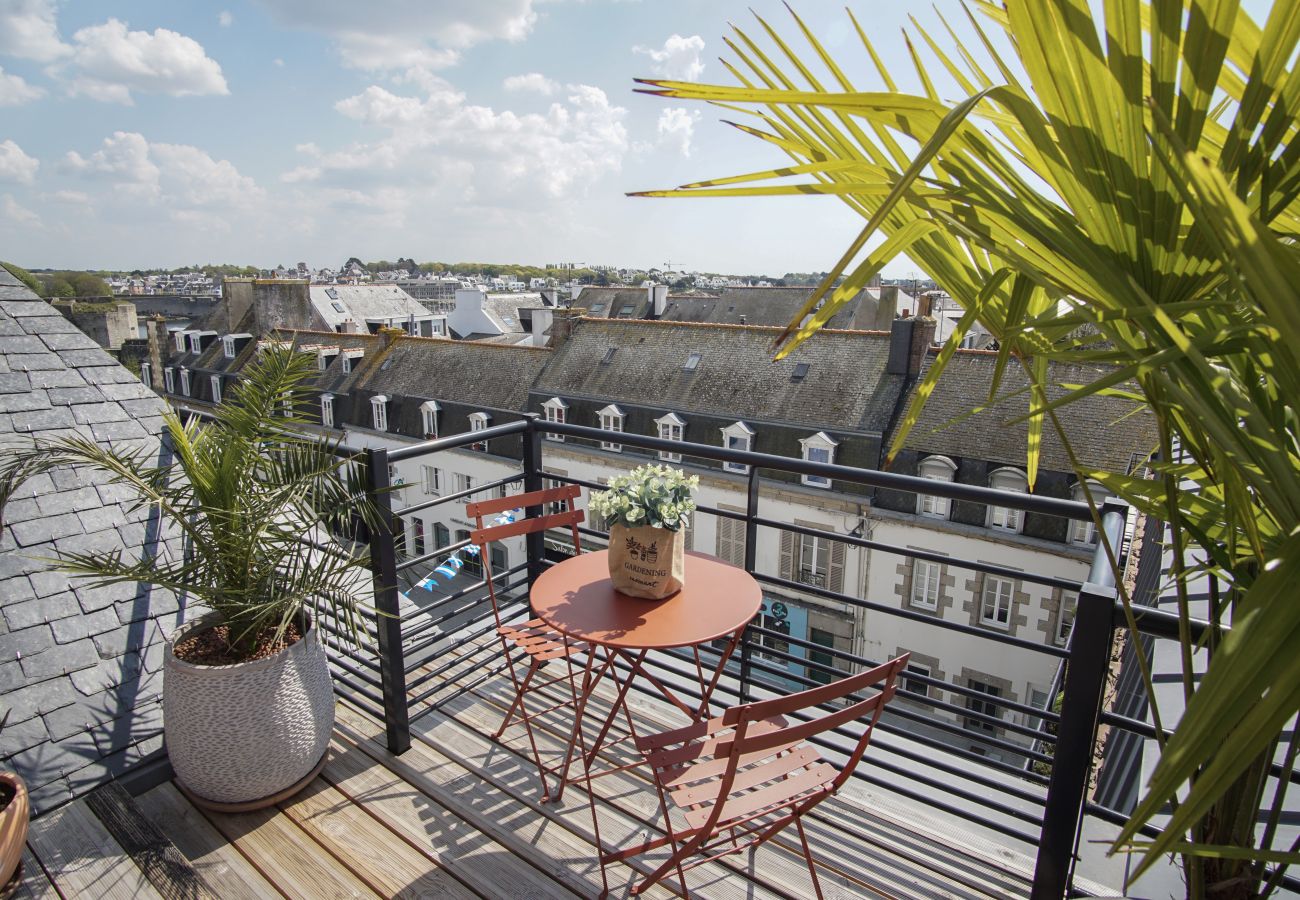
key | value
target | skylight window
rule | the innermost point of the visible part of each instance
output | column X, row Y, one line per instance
column 800, row 371
column 332, row 293
column 598, row 307
column 338, row 307
column 692, row 363
column 609, row 356
column 625, row 311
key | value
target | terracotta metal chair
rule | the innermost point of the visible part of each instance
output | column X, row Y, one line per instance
column 742, row 777
column 538, row 641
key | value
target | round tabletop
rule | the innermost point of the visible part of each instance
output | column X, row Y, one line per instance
column 577, row 598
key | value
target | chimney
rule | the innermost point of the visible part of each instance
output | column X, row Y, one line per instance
column 563, row 324
column 923, row 304
column 541, row 322
column 158, row 337
column 900, row 347
column 657, row 294
column 922, row 338
column 389, row 334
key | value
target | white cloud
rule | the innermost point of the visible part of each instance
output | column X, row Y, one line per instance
column 14, row 91
column 29, row 30
column 473, row 153
column 414, row 36
column 533, row 81
column 111, row 62
column 15, row 212
column 678, row 59
column 79, row 198
column 225, row 19
column 676, row 126
column 178, row 177
column 279, row 62
column 17, row 166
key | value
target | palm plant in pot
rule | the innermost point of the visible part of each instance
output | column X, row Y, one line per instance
column 248, row 503
column 14, row 810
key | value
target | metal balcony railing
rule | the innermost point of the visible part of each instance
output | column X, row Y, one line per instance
column 422, row 656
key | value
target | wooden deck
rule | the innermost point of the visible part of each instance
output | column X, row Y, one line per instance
column 458, row 816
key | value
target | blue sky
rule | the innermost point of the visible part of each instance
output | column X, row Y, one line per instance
column 272, row 131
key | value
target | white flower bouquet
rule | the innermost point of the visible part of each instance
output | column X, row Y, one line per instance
column 657, row 496
column 647, row 511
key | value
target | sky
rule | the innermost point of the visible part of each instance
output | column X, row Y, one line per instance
column 268, row 132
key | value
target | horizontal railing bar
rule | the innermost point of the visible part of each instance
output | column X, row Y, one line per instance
column 373, row 711
column 424, row 642
column 943, row 624
column 343, row 678
column 432, row 555
column 486, row 614
column 452, row 663
column 428, row 620
column 1069, row 509
column 456, row 441
column 1068, row 584
column 347, row 666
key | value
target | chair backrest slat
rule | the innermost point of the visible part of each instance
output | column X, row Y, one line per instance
column 801, row 731
column 564, row 493
column 565, row 519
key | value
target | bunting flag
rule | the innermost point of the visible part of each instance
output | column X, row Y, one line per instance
column 451, row 566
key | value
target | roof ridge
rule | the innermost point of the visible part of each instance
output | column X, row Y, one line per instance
column 722, row 325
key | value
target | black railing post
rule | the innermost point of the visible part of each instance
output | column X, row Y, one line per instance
column 751, row 559
column 1085, row 685
column 388, row 623
column 534, row 543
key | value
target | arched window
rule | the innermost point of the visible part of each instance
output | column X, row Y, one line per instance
column 935, row 468
column 1003, row 517
column 1084, row 532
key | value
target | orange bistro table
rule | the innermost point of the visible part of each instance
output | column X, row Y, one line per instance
column 577, row 599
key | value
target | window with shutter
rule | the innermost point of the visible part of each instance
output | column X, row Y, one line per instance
column 787, row 556
column 731, row 541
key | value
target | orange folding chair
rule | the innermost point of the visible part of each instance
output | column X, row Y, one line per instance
column 538, row 641
column 742, row 777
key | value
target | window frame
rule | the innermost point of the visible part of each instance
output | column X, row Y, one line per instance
column 1004, row 518
column 609, row 417
column 146, row 374
column 431, row 476
column 934, row 468
column 933, row 584
column 819, row 442
column 993, row 586
column 988, row 708
column 185, row 382
column 666, row 425
column 1065, row 619
column 429, row 410
column 914, row 669
column 327, row 410
column 214, row 381
column 228, row 347
column 1083, row 532
column 555, row 411
column 813, row 546
column 479, row 421
column 379, row 412
column 738, row 431
column 169, row 378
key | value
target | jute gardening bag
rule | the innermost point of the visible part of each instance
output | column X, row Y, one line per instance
column 647, row 562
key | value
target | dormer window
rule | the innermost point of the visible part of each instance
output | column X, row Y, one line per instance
column 185, row 382
column 820, row 448
column 478, row 421
column 379, row 412
column 352, row 357
column 228, row 347
column 429, row 418
column 555, row 410
column 1004, row 518
column 169, row 379
column 935, row 468
column 327, row 410
column 325, row 356
column 146, row 375
column 737, row 436
column 1083, row 532
column 671, row 428
column 196, row 345
column 181, row 341
column 611, row 419
column 215, row 381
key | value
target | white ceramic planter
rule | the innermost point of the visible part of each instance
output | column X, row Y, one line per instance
column 240, row 733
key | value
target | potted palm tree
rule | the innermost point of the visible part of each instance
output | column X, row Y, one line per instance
column 14, row 809
column 253, row 504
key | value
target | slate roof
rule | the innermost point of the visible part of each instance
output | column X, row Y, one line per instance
column 769, row 306
column 80, row 668
column 504, row 309
column 364, row 301
column 1104, row 431
column 844, row 386
column 605, row 302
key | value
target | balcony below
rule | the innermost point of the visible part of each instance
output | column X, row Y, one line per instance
column 458, row 815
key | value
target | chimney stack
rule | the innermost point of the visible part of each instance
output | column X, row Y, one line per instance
column 657, row 294
column 909, row 339
column 563, row 323
column 157, row 335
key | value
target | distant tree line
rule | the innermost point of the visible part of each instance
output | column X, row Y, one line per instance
column 62, row 283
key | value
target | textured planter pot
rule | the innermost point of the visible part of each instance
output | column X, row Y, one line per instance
column 247, row 732
column 647, row 562
column 13, row 829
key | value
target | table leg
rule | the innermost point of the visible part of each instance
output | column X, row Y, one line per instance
column 706, row 693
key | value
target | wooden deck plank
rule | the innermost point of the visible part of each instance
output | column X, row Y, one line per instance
column 769, row 868
column 222, row 865
column 286, row 856
column 35, row 884
column 376, row 855
column 542, row 832
column 476, row 858
column 82, row 858
column 167, row 869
